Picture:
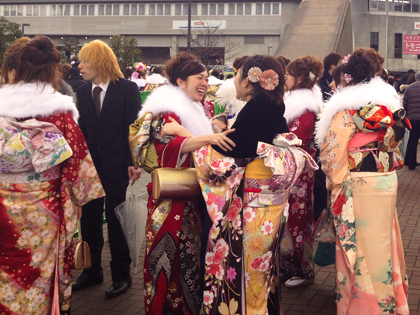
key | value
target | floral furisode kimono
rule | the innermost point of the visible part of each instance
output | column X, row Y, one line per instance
column 297, row 245
column 172, row 280
column 46, row 173
column 359, row 131
column 247, row 203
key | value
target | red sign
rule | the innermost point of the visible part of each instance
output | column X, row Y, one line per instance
column 411, row 44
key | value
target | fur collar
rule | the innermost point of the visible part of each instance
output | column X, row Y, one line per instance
column 299, row 101
column 355, row 97
column 156, row 78
column 33, row 99
column 169, row 98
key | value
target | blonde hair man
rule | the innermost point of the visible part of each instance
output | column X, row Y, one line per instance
column 108, row 104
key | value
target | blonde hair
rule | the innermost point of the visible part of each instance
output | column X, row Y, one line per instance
column 101, row 58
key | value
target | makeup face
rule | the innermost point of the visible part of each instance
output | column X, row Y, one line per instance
column 195, row 86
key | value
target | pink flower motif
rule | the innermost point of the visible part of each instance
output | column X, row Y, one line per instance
column 348, row 78
column 256, row 263
column 231, row 274
column 135, row 75
column 218, row 257
column 214, row 214
column 220, row 273
column 249, row 214
column 222, row 246
column 208, row 297
column 264, row 266
column 247, row 278
column 346, row 59
column 342, row 230
column 237, row 223
column 254, row 74
column 209, row 258
column 267, row 227
column 267, row 256
column 269, row 80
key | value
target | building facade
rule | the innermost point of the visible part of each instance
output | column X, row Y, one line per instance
column 160, row 27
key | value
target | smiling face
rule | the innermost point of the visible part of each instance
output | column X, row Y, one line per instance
column 195, row 86
column 89, row 73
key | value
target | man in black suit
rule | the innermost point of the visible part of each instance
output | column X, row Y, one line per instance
column 108, row 105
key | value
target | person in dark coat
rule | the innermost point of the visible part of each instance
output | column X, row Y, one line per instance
column 330, row 62
column 74, row 79
column 412, row 107
column 108, row 105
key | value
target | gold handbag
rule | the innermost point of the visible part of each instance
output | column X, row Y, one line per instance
column 175, row 183
column 79, row 255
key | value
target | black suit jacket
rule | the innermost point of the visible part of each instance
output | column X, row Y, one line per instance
column 107, row 137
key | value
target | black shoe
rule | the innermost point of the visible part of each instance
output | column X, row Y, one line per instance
column 118, row 288
column 86, row 280
column 412, row 168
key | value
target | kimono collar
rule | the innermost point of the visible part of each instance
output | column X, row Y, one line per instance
column 169, row 98
column 297, row 102
column 24, row 100
column 355, row 97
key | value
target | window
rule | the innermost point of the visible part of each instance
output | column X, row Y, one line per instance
column 415, row 6
column 13, row 10
column 108, row 9
column 276, row 8
column 247, row 8
column 116, row 10
column 212, row 9
column 178, row 8
column 374, row 40
column 194, row 9
column 6, row 10
column 240, row 9
column 267, row 8
column 91, row 9
column 221, row 9
column 76, row 9
column 83, row 9
column 258, row 9
column 43, row 10
column 152, row 9
column 28, row 10
column 159, row 9
column 231, row 9
column 168, row 9
column 204, row 9
column 126, row 9
column 253, row 40
column 101, row 9
column 142, row 9
column 67, row 9
column 36, row 10
column 398, row 45
column 134, row 9
column 185, row 9
column 20, row 10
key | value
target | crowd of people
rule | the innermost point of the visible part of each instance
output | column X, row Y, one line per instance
column 276, row 147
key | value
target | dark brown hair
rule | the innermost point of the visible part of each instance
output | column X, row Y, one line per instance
column 274, row 97
column 360, row 67
column 182, row 66
column 332, row 59
column 374, row 57
column 238, row 62
column 301, row 68
column 283, row 61
column 336, row 73
column 9, row 58
column 128, row 73
column 38, row 60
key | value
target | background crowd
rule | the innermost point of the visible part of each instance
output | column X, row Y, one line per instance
column 277, row 147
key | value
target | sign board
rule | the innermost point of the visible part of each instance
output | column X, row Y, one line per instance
column 197, row 25
column 411, row 44
column 417, row 25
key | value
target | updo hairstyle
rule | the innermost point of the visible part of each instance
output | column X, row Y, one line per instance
column 182, row 66
column 238, row 62
column 374, row 57
column 360, row 68
column 303, row 68
column 9, row 57
column 274, row 97
column 38, row 60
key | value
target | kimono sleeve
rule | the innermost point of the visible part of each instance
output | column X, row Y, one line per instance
column 303, row 127
column 333, row 153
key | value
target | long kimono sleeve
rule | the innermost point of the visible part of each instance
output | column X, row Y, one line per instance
column 303, row 127
column 333, row 153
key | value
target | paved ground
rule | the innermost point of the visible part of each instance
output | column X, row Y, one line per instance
column 317, row 298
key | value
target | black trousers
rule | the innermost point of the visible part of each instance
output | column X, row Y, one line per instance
column 411, row 154
column 92, row 231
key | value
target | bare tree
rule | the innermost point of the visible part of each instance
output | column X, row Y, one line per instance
column 210, row 44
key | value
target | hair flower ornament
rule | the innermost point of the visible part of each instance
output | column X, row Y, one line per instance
column 347, row 78
column 312, row 76
column 346, row 59
column 254, row 74
column 269, row 80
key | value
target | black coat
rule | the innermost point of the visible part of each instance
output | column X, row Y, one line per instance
column 107, row 137
column 412, row 101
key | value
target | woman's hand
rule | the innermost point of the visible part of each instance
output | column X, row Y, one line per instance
column 221, row 140
column 174, row 128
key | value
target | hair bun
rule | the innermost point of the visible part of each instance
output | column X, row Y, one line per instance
column 41, row 50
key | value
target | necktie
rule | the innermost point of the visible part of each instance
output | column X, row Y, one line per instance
column 97, row 100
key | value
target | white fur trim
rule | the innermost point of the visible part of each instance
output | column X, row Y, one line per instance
column 297, row 102
column 226, row 96
column 215, row 81
column 33, row 99
column 156, row 78
column 355, row 97
column 169, row 98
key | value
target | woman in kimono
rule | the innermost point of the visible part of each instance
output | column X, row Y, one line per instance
column 46, row 176
column 359, row 131
column 246, row 192
column 172, row 279
column 303, row 101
